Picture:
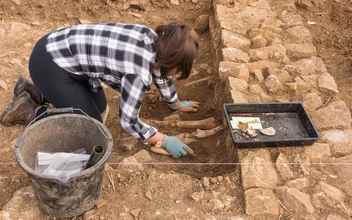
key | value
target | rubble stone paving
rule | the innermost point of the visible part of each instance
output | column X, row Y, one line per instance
column 265, row 54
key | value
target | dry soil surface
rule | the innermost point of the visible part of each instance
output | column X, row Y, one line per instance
column 124, row 193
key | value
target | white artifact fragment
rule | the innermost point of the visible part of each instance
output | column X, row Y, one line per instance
column 270, row 131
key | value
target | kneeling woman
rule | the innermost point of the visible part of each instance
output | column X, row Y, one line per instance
column 67, row 66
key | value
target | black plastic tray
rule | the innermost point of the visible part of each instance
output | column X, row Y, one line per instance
column 292, row 124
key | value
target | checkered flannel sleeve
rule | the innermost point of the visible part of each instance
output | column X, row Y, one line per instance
column 132, row 91
column 166, row 88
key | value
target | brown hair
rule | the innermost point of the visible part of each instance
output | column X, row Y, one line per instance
column 175, row 47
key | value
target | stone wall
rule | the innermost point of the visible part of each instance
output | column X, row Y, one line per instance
column 264, row 53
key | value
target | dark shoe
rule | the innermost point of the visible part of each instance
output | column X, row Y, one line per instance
column 21, row 110
column 23, row 84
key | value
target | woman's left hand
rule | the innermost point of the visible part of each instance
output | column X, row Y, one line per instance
column 186, row 106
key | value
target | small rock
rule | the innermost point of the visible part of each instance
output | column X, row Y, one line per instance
column 143, row 156
column 213, row 180
column 127, row 143
column 210, row 70
column 18, row 27
column 135, row 14
column 204, row 66
column 101, row 203
column 35, row 23
column 123, row 214
column 197, row 196
column 149, row 195
column 3, row 85
column 299, row 184
column 202, row 23
column 83, row 21
column 273, row 84
column 15, row 61
column 130, row 165
column 206, row 182
column 139, row 4
column 135, row 212
column 283, row 168
column 259, row 42
column 174, row 2
column 89, row 213
column 17, row 2
column 215, row 204
column 215, row 194
column 222, row 189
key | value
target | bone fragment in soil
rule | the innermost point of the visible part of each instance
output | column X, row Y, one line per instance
column 205, row 124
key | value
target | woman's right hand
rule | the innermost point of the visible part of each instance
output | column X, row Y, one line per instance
column 176, row 147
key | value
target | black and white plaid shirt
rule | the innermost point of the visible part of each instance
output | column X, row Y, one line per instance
column 120, row 55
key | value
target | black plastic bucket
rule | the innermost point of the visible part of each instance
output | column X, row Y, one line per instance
column 64, row 133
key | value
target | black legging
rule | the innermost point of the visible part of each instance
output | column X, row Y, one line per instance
column 61, row 88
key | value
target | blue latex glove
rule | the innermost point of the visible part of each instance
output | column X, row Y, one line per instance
column 186, row 106
column 175, row 146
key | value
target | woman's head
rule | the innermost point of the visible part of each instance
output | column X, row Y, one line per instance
column 175, row 48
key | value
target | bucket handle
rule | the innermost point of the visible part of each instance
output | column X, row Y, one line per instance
column 67, row 110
